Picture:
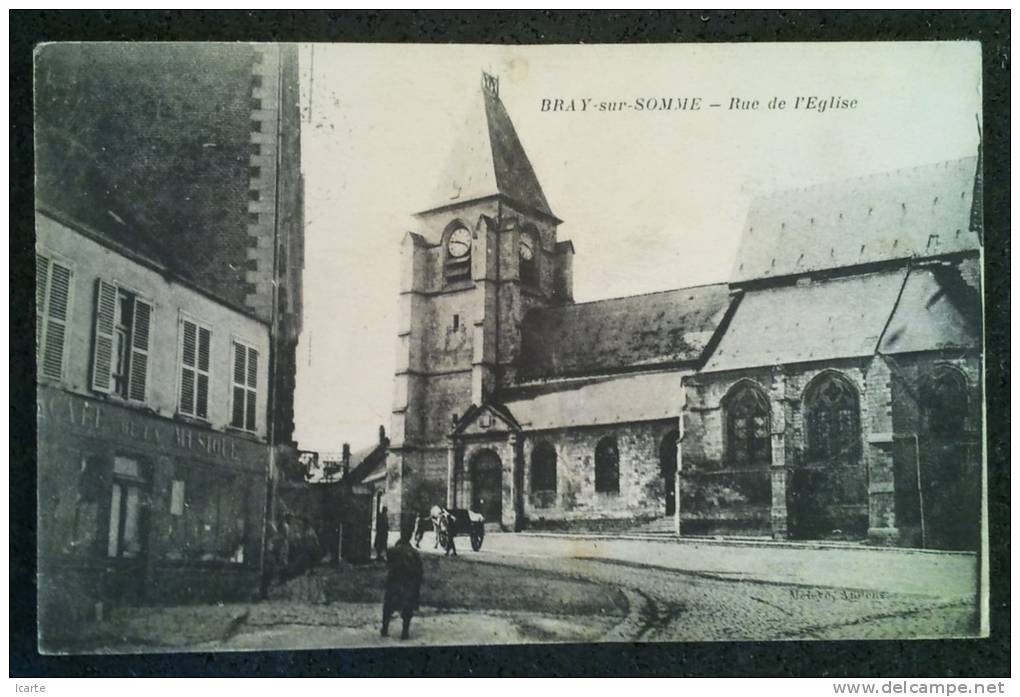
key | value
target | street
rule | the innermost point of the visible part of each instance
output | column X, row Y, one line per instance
column 530, row 588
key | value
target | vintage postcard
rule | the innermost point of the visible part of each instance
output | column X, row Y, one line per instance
column 365, row 345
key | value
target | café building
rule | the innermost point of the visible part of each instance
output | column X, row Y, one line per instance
column 153, row 459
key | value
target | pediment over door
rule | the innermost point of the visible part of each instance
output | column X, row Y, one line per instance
column 486, row 420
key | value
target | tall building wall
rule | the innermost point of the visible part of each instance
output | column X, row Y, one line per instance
column 193, row 150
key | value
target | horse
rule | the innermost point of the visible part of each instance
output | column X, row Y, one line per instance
column 434, row 516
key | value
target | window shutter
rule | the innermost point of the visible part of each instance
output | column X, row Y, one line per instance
column 253, row 377
column 102, row 355
column 202, row 387
column 237, row 412
column 139, row 351
column 188, row 331
column 253, row 368
column 42, row 274
column 57, row 305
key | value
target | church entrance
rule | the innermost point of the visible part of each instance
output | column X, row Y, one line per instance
column 486, row 473
column 667, row 465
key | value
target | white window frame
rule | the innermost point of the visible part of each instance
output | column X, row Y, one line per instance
column 248, row 346
column 181, row 367
column 43, row 313
column 138, row 297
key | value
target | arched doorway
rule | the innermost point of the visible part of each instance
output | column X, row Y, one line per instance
column 667, row 465
column 486, row 472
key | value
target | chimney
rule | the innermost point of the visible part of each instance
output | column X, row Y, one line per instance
column 382, row 435
column 346, row 458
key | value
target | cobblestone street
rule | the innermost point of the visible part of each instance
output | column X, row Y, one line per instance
column 531, row 588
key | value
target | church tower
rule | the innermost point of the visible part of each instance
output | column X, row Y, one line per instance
column 483, row 255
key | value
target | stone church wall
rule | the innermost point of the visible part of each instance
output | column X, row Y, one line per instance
column 642, row 490
column 719, row 497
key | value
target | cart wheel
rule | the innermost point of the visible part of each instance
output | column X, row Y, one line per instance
column 476, row 540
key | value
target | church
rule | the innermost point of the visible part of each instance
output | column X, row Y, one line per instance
column 830, row 389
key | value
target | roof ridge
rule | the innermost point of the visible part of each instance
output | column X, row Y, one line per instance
column 636, row 295
column 860, row 177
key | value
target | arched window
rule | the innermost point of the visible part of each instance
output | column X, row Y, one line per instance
column 543, row 475
column 833, row 419
column 457, row 266
column 528, row 253
column 943, row 401
column 543, row 467
column 607, row 466
column 748, row 436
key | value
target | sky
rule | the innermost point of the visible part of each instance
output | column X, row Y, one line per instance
column 651, row 200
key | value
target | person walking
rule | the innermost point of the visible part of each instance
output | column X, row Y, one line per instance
column 382, row 534
column 403, row 580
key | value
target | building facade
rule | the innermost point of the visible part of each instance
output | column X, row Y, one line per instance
column 200, row 144
column 829, row 389
column 152, row 453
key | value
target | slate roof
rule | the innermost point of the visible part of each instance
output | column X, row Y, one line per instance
column 367, row 462
column 919, row 212
column 620, row 399
column 606, row 336
column 488, row 159
column 822, row 320
column 934, row 314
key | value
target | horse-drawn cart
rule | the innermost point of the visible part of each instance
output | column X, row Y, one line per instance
column 448, row 523
column 465, row 522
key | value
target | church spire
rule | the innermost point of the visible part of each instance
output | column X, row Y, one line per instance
column 488, row 158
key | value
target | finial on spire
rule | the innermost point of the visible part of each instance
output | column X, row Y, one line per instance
column 490, row 83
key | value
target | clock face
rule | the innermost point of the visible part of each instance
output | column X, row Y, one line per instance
column 459, row 243
column 527, row 247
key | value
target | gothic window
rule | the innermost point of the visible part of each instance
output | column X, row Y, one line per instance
column 943, row 400
column 833, row 419
column 528, row 257
column 607, row 466
column 748, row 437
column 458, row 254
column 543, row 468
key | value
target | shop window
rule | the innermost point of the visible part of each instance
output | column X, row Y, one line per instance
column 943, row 399
column 833, row 420
column 52, row 307
column 125, row 533
column 244, row 387
column 543, row 472
column 457, row 266
column 208, row 520
column 607, row 466
column 120, row 359
column 748, row 437
column 90, row 493
column 195, row 341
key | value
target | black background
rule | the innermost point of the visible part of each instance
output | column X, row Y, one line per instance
column 943, row 658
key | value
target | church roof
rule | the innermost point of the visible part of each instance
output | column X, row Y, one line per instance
column 937, row 310
column 618, row 399
column 918, row 212
column 607, row 336
column 488, row 158
column 822, row 320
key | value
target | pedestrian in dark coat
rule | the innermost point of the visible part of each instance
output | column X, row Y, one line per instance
column 403, row 580
column 382, row 534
